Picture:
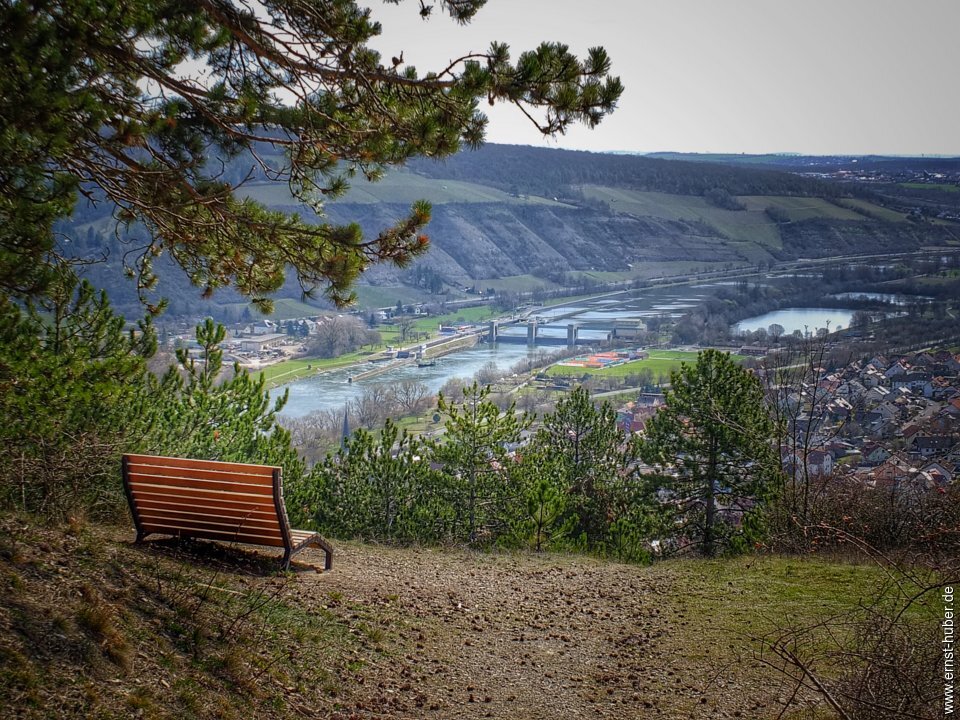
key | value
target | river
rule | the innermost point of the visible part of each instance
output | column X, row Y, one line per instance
column 331, row 390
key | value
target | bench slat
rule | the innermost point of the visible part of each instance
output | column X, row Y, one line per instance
column 236, row 521
column 222, row 486
column 228, row 527
column 223, row 536
column 194, row 465
column 203, row 499
column 213, row 507
column 256, row 480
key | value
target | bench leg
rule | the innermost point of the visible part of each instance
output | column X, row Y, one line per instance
column 322, row 544
column 327, row 552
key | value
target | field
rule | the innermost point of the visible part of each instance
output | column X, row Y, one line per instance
column 649, row 270
column 477, row 313
column 751, row 232
column 100, row 628
column 403, row 187
column 800, row 208
column 749, row 226
column 660, row 363
column 515, row 283
column 283, row 309
column 377, row 296
column 931, row 186
column 871, row 210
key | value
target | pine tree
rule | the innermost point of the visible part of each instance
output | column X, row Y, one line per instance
column 103, row 100
column 715, row 432
column 594, row 458
column 70, row 371
column 376, row 488
column 474, row 456
column 542, row 520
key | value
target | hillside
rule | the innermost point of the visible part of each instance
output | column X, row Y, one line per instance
column 93, row 627
column 542, row 217
column 506, row 211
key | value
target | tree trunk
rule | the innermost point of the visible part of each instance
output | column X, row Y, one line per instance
column 710, row 520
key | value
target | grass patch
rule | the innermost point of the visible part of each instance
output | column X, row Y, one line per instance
column 515, row 283
column 377, row 296
column 799, row 208
column 941, row 187
column 649, row 270
column 283, row 309
column 871, row 210
column 781, row 590
column 290, row 370
column 750, row 225
column 400, row 186
column 217, row 636
column 475, row 314
column 660, row 362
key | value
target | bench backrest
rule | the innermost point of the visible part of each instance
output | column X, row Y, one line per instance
column 206, row 499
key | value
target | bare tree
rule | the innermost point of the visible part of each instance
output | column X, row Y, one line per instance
column 801, row 411
column 489, row 373
column 503, row 400
column 340, row 335
column 405, row 325
column 316, row 433
column 528, row 401
column 453, row 388
column 373, row 406
column 410, row 396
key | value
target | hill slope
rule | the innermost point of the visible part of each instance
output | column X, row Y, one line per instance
column 92, row 627
column 508, row 211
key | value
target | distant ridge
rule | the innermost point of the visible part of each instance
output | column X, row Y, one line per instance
column 794, row 161
column 540, row 217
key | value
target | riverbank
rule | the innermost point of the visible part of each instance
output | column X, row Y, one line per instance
column 288, row 371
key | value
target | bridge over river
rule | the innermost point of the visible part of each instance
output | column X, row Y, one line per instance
column 543, row 331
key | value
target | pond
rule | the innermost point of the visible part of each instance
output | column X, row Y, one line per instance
column 801, row 319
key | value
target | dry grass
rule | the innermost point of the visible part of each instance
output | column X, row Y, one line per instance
column 93, row 627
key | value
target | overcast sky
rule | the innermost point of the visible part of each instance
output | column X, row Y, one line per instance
column 753, row 76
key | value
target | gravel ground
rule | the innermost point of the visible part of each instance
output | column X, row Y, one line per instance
column 472, row 635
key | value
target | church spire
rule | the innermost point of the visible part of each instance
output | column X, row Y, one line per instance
column 345, row 433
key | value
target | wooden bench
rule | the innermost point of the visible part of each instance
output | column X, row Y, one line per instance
column 232, row 502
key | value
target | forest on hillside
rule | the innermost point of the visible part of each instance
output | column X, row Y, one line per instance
column 520, row 168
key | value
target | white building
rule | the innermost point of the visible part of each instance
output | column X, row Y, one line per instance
column 260, row 343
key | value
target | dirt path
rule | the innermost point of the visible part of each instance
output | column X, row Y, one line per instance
column 468, row 635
